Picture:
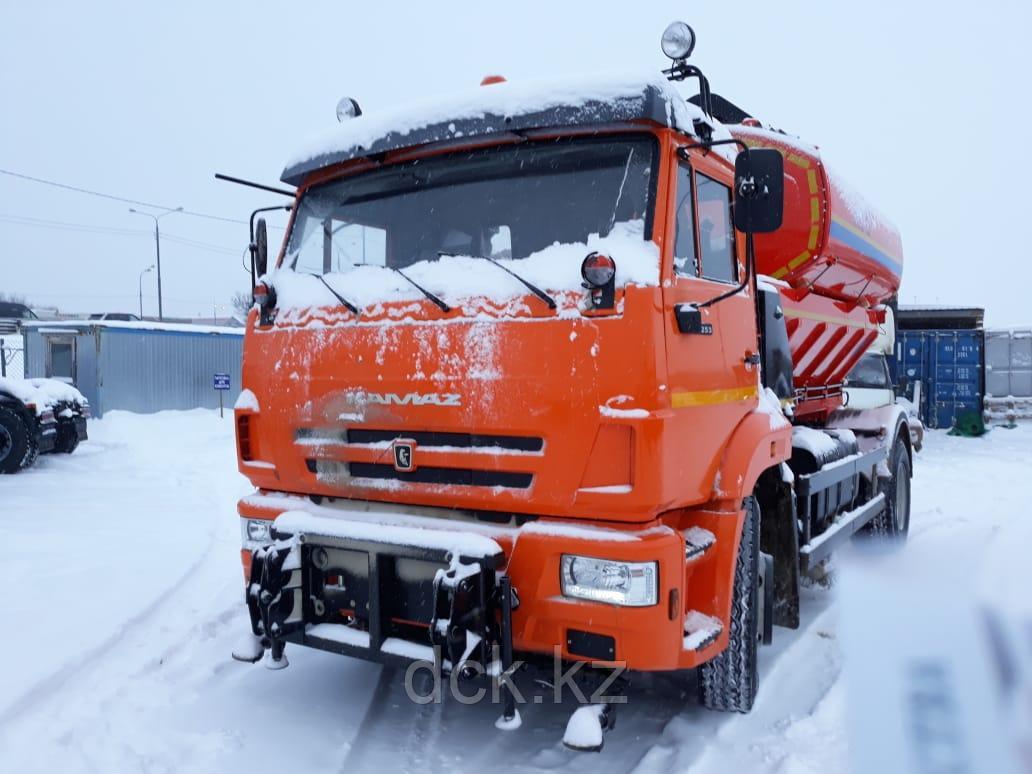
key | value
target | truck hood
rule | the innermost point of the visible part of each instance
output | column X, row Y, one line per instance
column 535, row 412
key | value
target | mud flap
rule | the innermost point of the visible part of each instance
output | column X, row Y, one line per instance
column 779, row 537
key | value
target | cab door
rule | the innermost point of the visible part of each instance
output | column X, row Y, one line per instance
column 713, row 382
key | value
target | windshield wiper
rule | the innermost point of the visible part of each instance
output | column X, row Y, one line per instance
column 441, row 305
column 343, row 301
column 532, row 288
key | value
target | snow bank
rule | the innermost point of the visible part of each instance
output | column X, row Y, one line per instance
column 460, row 278
column 43, row 393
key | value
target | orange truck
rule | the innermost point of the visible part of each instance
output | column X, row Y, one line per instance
column 554, row 372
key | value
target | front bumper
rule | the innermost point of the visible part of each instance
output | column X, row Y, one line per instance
column 380, row 592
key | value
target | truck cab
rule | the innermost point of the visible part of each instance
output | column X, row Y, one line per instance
column 512, row 387
column 869, row 387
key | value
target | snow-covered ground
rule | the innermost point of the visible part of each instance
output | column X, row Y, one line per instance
column 123, row 598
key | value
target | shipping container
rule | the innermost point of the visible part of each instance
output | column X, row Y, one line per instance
column 1008, row 363
column 949, row 365
column 1008, row 375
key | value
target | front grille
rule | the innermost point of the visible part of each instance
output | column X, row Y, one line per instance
column 459, row 440
column 428, row 475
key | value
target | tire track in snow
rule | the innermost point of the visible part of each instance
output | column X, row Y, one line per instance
column 42, row 689
column 796, row 673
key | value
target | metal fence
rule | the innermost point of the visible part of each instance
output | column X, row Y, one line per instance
column 12, row 358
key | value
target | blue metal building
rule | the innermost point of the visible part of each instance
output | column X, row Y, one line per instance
column 136, row 366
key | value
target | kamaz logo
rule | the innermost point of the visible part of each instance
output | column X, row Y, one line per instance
column 414, row 399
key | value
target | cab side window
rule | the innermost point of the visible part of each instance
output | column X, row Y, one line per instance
column 716, row 233
column 685, row 257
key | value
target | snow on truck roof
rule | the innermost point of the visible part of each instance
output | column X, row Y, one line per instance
column 502, row 107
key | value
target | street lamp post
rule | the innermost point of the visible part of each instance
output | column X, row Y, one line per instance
column 149, row 268
column 157, row 249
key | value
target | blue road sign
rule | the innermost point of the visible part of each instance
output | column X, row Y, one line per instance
column 220, row 381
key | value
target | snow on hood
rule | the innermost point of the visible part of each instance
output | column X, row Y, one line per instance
column 507, row 99
column 463, row 278
column 43, row 393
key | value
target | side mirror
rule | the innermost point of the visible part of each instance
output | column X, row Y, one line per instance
column 759, row 190
column 261, row 248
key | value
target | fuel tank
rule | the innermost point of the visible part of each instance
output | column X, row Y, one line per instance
column 832, row 243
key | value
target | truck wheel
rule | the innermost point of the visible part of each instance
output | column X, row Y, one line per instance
column 894, row 522
column 729, row 682
column 14, row 441
column 31, row 450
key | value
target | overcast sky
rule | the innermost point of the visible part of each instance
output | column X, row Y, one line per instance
column 922, row 106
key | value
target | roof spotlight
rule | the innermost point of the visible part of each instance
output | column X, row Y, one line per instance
column 348, row 108
column 678, row 40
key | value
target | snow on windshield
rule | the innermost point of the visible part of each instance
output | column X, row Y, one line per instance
column 537, row 208
column 459, row 277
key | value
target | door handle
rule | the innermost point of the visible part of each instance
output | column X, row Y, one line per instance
column 689, row 320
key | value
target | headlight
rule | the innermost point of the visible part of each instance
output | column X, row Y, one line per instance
column 678, row 40
column 257, row 530
column 632, row 584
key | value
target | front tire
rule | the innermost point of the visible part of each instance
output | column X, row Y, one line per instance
column 14, row 441
column 729, row 682
column 894, row 522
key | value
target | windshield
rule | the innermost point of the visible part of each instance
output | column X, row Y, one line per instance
column 870, row 373
column 507, row 203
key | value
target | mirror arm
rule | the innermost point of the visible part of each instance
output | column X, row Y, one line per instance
column 750, row 259
column 682, row 151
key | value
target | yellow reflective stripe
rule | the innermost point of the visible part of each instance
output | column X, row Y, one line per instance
column 811, row 180
column 811, row 243
column 803, row 257
column 829, row 319
column 798, row 160
column 710, row 397
column 780, row 272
